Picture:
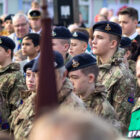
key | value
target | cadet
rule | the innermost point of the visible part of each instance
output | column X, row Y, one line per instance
column 128, row 19
column 11, row 82
column 22, row 118
column 35, row 21
column 113, row 73
column 134, row 127
column 78, row 43
column 128, row 46
column 83, row 72
column 61, row 41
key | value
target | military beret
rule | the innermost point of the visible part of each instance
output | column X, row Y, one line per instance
column 61, row 32
column 28, row 65
column 9, row 17
column 58, row 61
column 80, row 61
column 125, row 42
column 80, row 36
column 33, row 14
column 108, row 27
column 7, row 43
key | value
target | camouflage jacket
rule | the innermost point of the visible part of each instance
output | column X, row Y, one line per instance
column 22, row 118
column 98, row 103
column 11, row 84
column 120, row 85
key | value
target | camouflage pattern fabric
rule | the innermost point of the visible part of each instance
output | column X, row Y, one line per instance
column 120, row 85
column 11, row 83
column 132, row 66
column 68, row 57
column 98, row 103
column 22, row 118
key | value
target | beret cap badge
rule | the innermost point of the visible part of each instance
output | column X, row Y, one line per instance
column 53, row 33
column 0, row 41
column 75, row 35
column 107, row 28
column 75, row 63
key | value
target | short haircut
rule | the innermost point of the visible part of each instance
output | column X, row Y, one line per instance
column 131, row 12
column 34, row 37
column 6, row 49
column 91, row 69
column 20, row 15
column 114, row 37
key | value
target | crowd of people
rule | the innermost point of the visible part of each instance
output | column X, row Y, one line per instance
column 97, row 73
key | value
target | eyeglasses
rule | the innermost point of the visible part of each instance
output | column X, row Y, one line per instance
column 22, row 25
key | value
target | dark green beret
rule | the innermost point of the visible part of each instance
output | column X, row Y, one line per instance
column 125, row 42
column 80, row 36
column 7, row 43
column 28, row 65
column 61, row 32
column 108, row 27
column 80, row 61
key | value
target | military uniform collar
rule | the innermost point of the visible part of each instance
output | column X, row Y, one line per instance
column 65, row 90
column 99, row 89
column 115, row 60
column 12, row 66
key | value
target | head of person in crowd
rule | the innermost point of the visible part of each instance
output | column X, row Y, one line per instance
column 7, row 46
column 21, row 25
column 60, row 70
column 35, row 5
column 83, row 72
column 138, row 70
column 78, row 43
column 5, row 136
column 71, row 124
column 102, row 18
column 128, row 20
column 18, row 57
column 104, row 11
column 72, row 27
column 8, row 24
column 35, row 20
column 31, row 45
column 114, row 19
column 30, row 76
column 106, row 39
column 61, row 40
column 127, row 46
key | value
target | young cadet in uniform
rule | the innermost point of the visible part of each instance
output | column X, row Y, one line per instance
column 35, row 21
column 61, row 41
column 113, row 74
column 128, row 20
column 11, row 82
column 83, row 72
column 134, row 127
column 78, row 43
column 22, row 118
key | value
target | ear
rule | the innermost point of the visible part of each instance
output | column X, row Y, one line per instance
column 84, row 46
column 9, row 51
column 65, row 75
column 113, row 44
column 66, row 47
column 91, row 78
column 37, row 48
column 136, row 22
column 127, row 54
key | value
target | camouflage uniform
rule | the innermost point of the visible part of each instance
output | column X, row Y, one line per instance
column 120, row 85
column 132, row 66
column 98, row 103
column 22, row 118
column 11, row 83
